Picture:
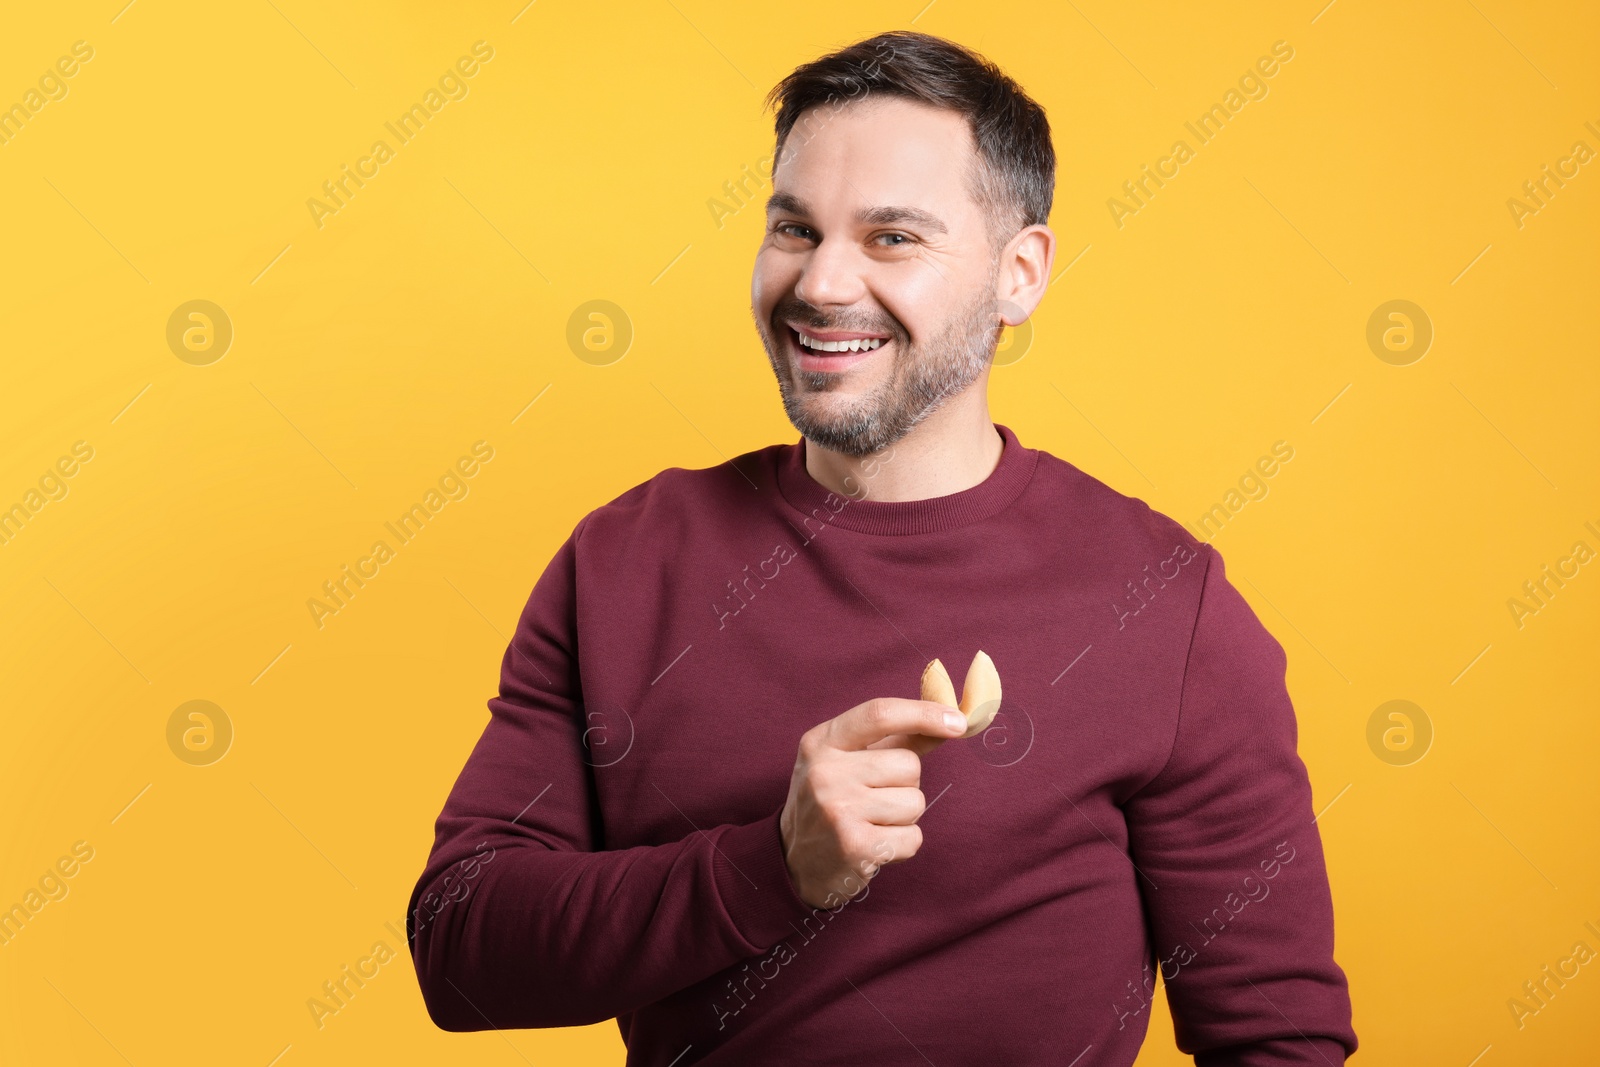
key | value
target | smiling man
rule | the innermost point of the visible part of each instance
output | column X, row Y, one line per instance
column 737, row 833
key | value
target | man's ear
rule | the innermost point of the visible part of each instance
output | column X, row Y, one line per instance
column 1024, row 272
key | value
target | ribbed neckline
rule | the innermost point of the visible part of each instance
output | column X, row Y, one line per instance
column 900, row 517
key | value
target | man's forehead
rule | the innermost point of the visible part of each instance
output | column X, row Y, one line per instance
column 891, row 159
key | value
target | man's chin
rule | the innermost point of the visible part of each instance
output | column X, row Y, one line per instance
column 832, row 409
column 846, row 433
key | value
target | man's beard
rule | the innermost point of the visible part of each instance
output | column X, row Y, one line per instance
column 923, row 377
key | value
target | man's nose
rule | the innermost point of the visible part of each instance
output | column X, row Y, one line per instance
column 832, row 274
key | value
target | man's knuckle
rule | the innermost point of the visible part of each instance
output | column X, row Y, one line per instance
column 837, row 817
column 854, row 842
column 819, row 773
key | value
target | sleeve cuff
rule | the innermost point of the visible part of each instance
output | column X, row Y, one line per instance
column 753, row 882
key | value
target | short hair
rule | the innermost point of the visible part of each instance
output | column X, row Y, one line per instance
column 1014, row 178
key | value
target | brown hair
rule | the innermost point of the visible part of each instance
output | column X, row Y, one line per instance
column 1014, row 178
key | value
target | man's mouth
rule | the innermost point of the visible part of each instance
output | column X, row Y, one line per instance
column 832, row 350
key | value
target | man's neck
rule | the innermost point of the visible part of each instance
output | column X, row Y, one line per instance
column 948, row 452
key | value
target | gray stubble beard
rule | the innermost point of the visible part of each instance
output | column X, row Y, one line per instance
column 925, row 376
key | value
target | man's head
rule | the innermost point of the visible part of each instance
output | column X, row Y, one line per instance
column 911, row 186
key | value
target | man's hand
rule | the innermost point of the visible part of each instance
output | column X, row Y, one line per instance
column 854, row 797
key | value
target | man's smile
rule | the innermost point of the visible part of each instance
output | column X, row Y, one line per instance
column 832, row 350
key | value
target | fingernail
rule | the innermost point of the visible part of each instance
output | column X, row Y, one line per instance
column 956, row 721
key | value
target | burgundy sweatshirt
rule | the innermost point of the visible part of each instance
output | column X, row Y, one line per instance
column 611, row 848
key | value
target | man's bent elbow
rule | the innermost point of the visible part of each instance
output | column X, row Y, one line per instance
column 448, row 1006
column 462, row 1000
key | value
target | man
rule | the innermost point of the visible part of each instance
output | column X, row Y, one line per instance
column 734, row 831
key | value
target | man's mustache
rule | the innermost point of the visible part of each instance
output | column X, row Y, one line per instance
column 812, row 317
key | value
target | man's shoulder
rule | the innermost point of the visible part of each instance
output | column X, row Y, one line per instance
column 1119, row 523
column 674, row 498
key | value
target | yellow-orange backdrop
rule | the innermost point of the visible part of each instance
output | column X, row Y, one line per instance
column 347, row 355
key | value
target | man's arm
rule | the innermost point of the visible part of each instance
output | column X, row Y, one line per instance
column 1240, row 912
column 517, row 921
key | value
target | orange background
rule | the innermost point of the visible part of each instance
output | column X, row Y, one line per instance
column 372, row 346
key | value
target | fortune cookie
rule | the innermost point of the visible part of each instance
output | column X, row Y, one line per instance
column 980, row 694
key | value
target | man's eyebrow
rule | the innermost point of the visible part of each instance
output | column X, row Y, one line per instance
column 874, row 216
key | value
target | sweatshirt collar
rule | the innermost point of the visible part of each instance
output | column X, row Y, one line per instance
column 863, row 514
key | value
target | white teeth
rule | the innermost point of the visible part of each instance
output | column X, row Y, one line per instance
column 859, row 345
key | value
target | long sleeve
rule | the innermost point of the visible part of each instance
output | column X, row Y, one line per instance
column 1240, row 913
column 520, row 917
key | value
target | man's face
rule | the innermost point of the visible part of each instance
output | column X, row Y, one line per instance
column 872, row 234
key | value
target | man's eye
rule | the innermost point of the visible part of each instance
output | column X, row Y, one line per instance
column 786, row 227
column 902, row 238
